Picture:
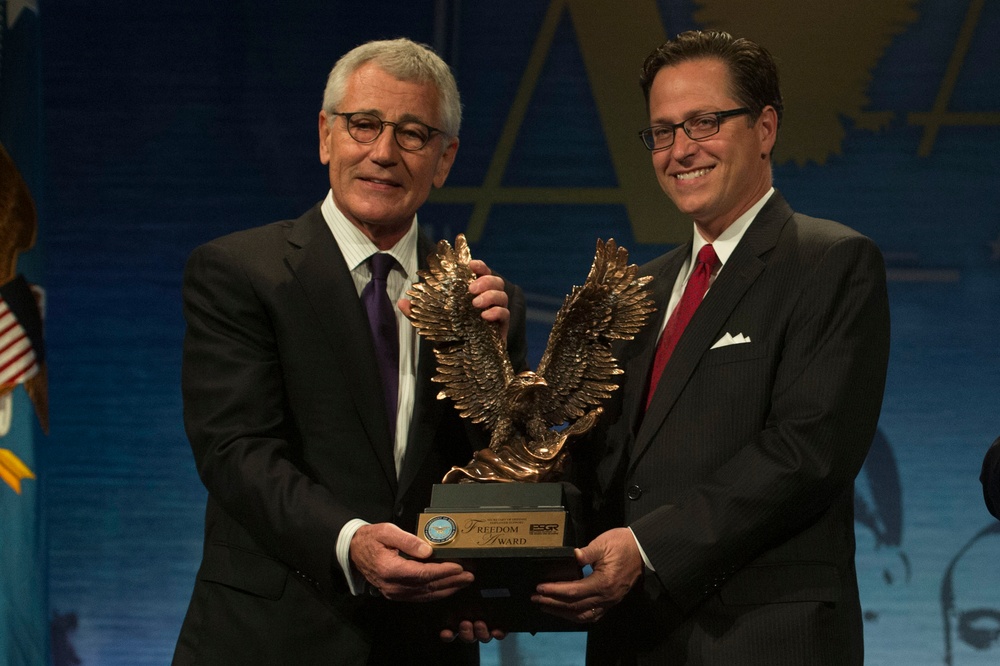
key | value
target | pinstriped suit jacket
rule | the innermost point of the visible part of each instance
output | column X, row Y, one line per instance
column 738, row 480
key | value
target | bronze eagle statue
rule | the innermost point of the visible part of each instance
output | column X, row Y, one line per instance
column 530, row 415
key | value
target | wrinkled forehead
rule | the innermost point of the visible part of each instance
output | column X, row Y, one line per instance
column 373, row 89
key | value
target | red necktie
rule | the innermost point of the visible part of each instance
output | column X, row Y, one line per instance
column 693, row 293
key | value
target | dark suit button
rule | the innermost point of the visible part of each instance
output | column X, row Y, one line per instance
column 634, row 492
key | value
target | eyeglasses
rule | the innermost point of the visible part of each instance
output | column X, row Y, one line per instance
column 410, row 135
column 697, row 128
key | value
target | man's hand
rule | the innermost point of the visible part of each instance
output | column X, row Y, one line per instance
column 489, row 297
column 376, row 554
column 617, row 565
column 471, row 632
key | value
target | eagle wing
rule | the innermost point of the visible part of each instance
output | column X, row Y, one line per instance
column 472, row 361
column 613, row 304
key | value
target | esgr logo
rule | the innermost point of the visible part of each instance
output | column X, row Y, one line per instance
column 543, row 528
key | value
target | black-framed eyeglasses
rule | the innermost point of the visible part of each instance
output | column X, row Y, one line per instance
column 410, row 135
column 697, row 128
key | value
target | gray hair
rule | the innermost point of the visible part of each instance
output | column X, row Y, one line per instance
column 406, row 60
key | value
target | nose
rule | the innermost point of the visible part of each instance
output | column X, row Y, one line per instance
column 384, row 149
column 684, row 146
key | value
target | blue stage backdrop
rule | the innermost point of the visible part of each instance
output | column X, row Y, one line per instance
column 169, row 123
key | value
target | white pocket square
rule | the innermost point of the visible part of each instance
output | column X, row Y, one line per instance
column 729, row 339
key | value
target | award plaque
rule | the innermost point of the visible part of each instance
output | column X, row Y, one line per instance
column 507, row 516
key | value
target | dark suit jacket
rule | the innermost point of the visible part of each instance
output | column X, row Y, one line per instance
column 990, row 478
column 284, row 411
column 738, row 481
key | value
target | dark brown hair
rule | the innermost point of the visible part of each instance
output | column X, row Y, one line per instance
column 752, row 71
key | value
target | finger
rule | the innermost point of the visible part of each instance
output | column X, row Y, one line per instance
column 481, row 631
column 499, row 315
column 404, row 306
column 563, row 613
column 570, row 591
column 479, row 267
column 492, row 287
column 426, row 576
column 466, row 631
column 585, row 556
column 407, row 543
column 426, row 586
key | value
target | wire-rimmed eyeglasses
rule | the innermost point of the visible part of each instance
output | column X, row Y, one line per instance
column 697, row 128
column 410, row 135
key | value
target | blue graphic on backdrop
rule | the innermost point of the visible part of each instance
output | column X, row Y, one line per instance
column 970, row 608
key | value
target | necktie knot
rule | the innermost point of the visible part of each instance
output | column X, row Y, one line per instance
column 707, row 256
column 381, row 265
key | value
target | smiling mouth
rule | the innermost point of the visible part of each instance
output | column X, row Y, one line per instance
column 688, row 175
column 380, row 181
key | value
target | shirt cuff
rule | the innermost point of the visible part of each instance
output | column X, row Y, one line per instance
column 355, row 581
column 645, row 559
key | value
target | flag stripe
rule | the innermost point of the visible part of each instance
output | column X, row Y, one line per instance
column 17, row 357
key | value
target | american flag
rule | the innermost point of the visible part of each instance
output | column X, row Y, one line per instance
column 21, row 344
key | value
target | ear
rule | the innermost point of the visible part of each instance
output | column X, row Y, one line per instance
column 324, row 137
column 445, row 161
column 767, row 129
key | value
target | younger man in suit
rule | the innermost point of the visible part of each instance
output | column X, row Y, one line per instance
column 724, row 482
column 316, row 454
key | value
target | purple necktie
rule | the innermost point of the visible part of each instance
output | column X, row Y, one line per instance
column 385, row 335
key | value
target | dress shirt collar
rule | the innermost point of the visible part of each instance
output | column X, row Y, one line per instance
column 356, row 247
column 730, row 238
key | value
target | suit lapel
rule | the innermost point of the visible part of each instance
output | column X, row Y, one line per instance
column 318, row 265
column 426, row 407
column 636, row 356
column 741, row 270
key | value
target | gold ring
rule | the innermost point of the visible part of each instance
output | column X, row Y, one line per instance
column 594, row 613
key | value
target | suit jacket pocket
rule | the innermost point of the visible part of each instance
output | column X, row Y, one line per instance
column 734, row 353
column 243, row 570
column 768, row 584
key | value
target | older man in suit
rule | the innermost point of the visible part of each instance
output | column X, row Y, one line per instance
column 724, row 487
column 308, row 400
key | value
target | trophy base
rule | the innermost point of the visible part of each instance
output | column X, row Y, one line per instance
column 512, row 537
column 505, row 581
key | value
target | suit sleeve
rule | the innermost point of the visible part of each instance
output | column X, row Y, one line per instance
column 825, row 399
column 244, row 440
column 990, row 478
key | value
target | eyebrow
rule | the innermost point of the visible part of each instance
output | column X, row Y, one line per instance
column 406, row 117
column 693, row 114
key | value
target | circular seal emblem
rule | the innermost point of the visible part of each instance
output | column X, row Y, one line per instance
column 440, row 530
